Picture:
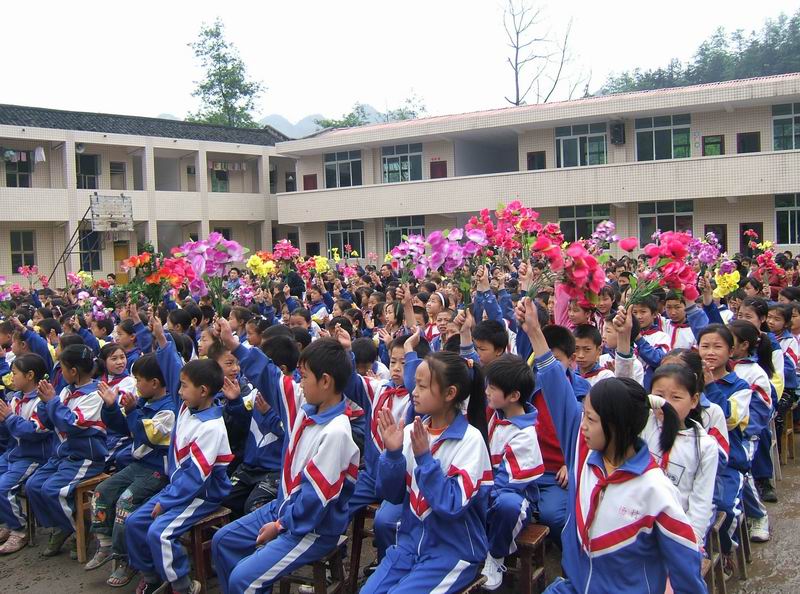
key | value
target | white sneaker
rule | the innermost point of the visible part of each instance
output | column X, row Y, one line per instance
column 493, row 570
column 759, row 530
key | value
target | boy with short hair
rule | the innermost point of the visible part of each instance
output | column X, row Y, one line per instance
column 683, row 321
column 320, row 466
column 651, row 342
column 516, row 460
column 198, row 481
column 102, row 330
column 366, row 358
column 588, row 348
column 490, row 340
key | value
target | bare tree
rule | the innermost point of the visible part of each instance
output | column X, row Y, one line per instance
column 539, row 62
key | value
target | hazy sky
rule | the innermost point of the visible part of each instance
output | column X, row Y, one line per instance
column 320, row 56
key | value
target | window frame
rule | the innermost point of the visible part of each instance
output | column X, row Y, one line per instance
column 90, row 245
column 16, row 174
column 672, row 127
column 112, row 173
column 792, row 219
column 338, row 161
column 569, row 223
column 415, row 226
column 402, row 152
column 721, row 144
column 82, row 179
column 664, row 208
column 220, row 185
column 793, row 117
column 24, row 256
column 343, row 231
column 583, row 136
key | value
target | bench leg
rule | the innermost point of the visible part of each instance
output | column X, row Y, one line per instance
column 80, row 527
column 541, row 581
column 196, row 542
column 355, row 551
column 525, row 573
column 320, row 585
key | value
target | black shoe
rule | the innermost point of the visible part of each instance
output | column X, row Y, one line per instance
column 768, row 494
column 370, row 569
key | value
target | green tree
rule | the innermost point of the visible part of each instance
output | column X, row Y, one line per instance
column 226, row 93
column 413, row 107
column 356, row 117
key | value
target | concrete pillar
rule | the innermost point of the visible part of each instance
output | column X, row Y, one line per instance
column 203, row 189
column 149, row 174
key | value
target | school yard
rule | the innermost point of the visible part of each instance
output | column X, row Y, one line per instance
column 773, row 570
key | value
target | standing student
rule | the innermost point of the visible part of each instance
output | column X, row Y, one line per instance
column 30, row 445
column 80, row 452
column 438, row 468
column 651, row 342
column 588, row 349
column 624, row 513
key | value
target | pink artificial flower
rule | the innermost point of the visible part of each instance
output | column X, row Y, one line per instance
column 629, row 244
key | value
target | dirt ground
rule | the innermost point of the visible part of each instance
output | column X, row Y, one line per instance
column 773, row 571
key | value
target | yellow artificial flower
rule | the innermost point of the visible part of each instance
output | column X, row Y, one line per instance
column 7, row 380
column 335, row 254
column 354, row 254
column 726, row 284
column 86, row 278
column 765, row 246
column 321, row 264
column 387, row 258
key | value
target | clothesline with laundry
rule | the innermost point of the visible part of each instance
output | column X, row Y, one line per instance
column 10, row 155
column 226, row 166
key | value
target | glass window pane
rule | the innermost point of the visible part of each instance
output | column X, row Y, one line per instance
column 647, row 207
column 782, row 134
column 387, row 150
column 665, row 207
column 782, row 225
column 415, row 148
column 355, row 154
column 666, row 222
column 580, row 129
column 597, row 150
column 330, row 176
column 563, row 131
column 566, row 212
column 393, row 238
column 601, row 210
column 584, row 228
column 355, row 171
column 418, row 220
column 680, row 120
column 27, row 241
column 680, row 143
column 568, row 229
column 558, row 153
column 662, row 121
column 16, row 262
column 570, row 150
column 781, row 201
column 683, row 223
column 342, row 156
column 684, row 206
column 16, row 241
column 663, row 144
column 582, row 152
column 784, row 109
column 401, row 149
column 416, row 167
column 344, row 175
column 330, row 157
column 583, row 211
column 647, row 226
column 644, row 146
column 597, row 128
column 643, row 123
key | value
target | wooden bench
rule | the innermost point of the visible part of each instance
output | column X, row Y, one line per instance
column 787, row 437
column 528, row 561
column 743, row 550
column 712, row 567
column 318, row 579
column 360, row 532
column 83, row 506
column 198, row 540
column 475, row 585
column 30, row 526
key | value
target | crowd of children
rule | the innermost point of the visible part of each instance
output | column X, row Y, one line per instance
column 623, row 428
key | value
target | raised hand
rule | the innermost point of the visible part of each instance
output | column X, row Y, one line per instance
column 527, row 315
column 46, row 391
column 413, row 340
column 128, row 401
column 261, row 404
column 157, row 328
column 391, row 432
column 231, row 389
column 385, row 336
column 107, row 393
column 5, row 410
column 420, row 440
column 482, row 278
column 343, row 337
column 223, row 327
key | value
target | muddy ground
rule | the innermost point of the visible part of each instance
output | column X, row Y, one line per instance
column 773, row 571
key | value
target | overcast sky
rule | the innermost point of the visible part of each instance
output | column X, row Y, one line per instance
column 321, row 56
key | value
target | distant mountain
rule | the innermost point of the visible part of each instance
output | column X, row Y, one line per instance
column 300, row 129
column 168, row 116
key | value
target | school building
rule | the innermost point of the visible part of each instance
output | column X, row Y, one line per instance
column 719, row 157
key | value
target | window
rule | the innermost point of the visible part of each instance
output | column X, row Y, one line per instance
column 536, row 160
column 90, row 249
column 748, row 142
column 672, row 215
column 273, row 180
column 23, row 252
column 341, row 233
column 291, row 183
column 343, row 169
column 582, row 144
column 219, row 181
column 117, row 175
column 18, row 173
column 713, row 145
column 224, row 231
column 787, row 218
column 402, row 162
column 309, row 182
column 786, row 126
column 88, row 169
column 396, row 227
column 438, row 169
column 662, row 137
column 581, row 221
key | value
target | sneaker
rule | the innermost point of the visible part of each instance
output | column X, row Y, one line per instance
column 493, row 570
column 767, row 491
column 4, row 534
column 102, row 556
column 759, row 529
column 728, row 565
column 55, row 542
column 73, row 549
column 14, row 542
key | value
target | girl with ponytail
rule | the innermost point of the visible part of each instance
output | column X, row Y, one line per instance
column 624, row 510
column 685, row 452
column 438, row 469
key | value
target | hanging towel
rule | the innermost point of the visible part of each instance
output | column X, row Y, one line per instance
column 38, row 155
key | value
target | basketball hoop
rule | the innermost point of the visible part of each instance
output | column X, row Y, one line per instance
column 111, row 214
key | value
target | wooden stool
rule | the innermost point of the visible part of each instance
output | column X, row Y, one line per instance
column 712, row 567
column 83, row 505
column 359, row 534
column 774, row 454
column 530, row 559
column 318, row 579
column 787, row 438
column 199, row 540
column 743, row 550
column 474, row 585
column 31, row 519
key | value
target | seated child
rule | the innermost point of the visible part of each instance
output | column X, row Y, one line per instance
column 30, row 445
column 112, row 363
column 198, row 482
column 515, row 457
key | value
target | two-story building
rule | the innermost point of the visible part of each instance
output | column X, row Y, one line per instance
column 718, row 157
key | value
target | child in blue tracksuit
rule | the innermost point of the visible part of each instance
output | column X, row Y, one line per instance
column 626, row 531
column 516, row 460
column 80, row 451
column 27, row 341
column 321, row 302
column 199, row 454
column 113, row 363
column 438, row 469
column 320, row 465
column 148, row 420
column 30, row 446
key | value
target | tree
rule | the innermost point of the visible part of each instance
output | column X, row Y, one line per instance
column 773, row 50
column 539, row 63
column 356, row 117
column 413, row 107
column 226, row 93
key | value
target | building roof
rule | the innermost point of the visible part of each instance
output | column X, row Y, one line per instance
column 39, row 117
